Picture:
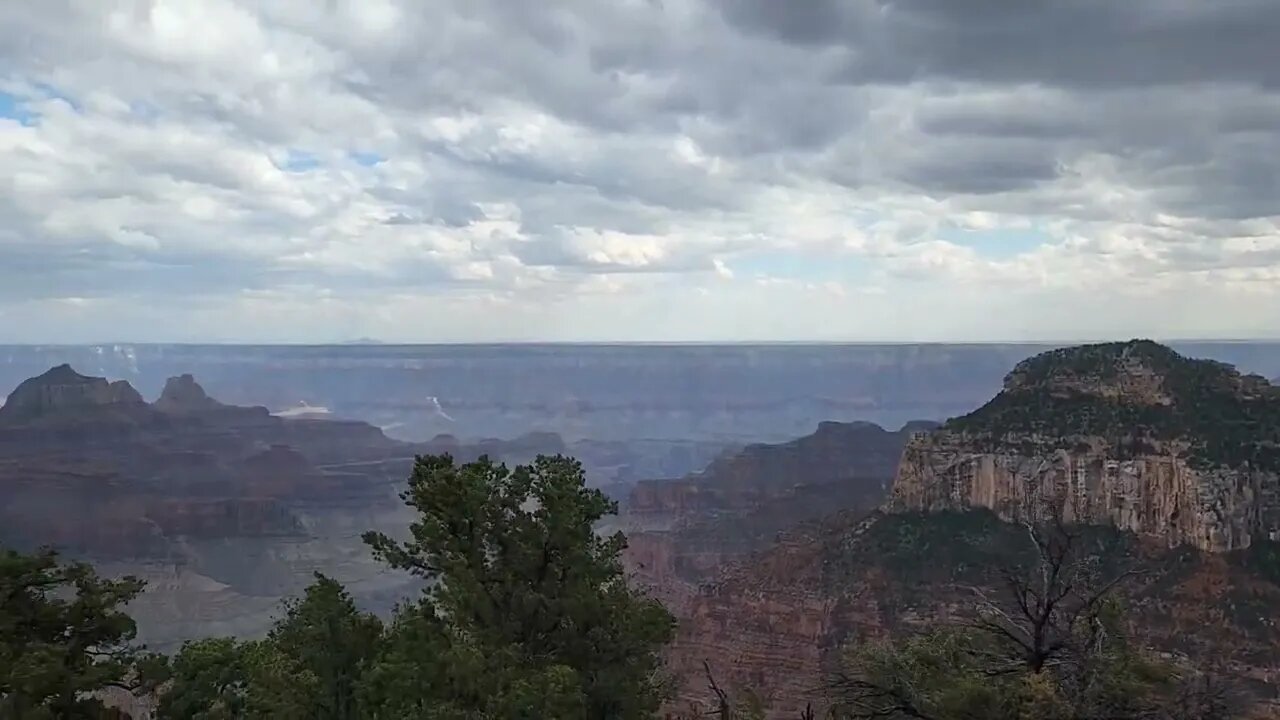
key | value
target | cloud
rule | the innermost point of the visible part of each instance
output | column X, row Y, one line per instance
column 491, row 169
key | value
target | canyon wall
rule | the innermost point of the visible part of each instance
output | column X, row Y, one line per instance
column 683, row 532
column 1158, row 494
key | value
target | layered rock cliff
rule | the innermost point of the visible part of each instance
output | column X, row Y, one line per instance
column 1131, row 435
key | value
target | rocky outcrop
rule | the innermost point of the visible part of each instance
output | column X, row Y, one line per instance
column 182, row 394
column 1130, row 435
column 668, row 500
column 64, row 392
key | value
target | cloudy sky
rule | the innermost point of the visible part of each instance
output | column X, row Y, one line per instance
column 457, row 170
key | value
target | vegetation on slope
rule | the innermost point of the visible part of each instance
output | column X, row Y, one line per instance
column 1134, row 394
column 921, row 549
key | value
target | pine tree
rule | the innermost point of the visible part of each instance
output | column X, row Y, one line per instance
column 527, row 611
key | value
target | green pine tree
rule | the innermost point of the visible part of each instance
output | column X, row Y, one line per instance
column 527, row 613
column 64, row 636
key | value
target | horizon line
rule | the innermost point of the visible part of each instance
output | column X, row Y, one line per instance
column 624, row 343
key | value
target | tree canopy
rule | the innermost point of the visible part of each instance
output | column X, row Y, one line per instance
column 530, row 605
column 63, row 637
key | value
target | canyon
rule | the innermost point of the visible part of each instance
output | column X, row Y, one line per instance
column 774, row 553
column 1112, row 438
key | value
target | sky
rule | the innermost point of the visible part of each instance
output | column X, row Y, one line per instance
column 638, row 170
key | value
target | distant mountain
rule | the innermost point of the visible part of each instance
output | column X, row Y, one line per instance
column 363, row 341
column 62, row 392
column 227, row 509
column 725, row 394
column 183, row 394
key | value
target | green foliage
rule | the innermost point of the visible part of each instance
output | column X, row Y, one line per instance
column 956, row 673
column 921, row 549
column 63, row 636
column 324, row 638
column 307, row 667
column 939, row 546
column 937, row 675
column 1231, row 421
column 528, row 612
column 209, row 681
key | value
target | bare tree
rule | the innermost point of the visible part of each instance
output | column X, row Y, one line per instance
column 1051, row 612
column 1053, row 617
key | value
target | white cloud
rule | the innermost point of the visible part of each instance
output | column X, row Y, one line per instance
column 222, row 169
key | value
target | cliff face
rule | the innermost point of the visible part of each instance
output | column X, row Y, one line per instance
column 1157, row 494
column 1126, row 434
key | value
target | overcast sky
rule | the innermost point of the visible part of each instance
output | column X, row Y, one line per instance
column 318, row 171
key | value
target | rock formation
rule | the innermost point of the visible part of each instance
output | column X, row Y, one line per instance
column 1131, row 435
column 63, row 392
column 182, row 394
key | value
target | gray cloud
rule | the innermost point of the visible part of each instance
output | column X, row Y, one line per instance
column 219, row 147
column 1094, row 43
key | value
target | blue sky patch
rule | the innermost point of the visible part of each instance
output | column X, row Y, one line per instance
column 300, row 161
column 15, row 108
column 996, row 244
column 368, row 159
